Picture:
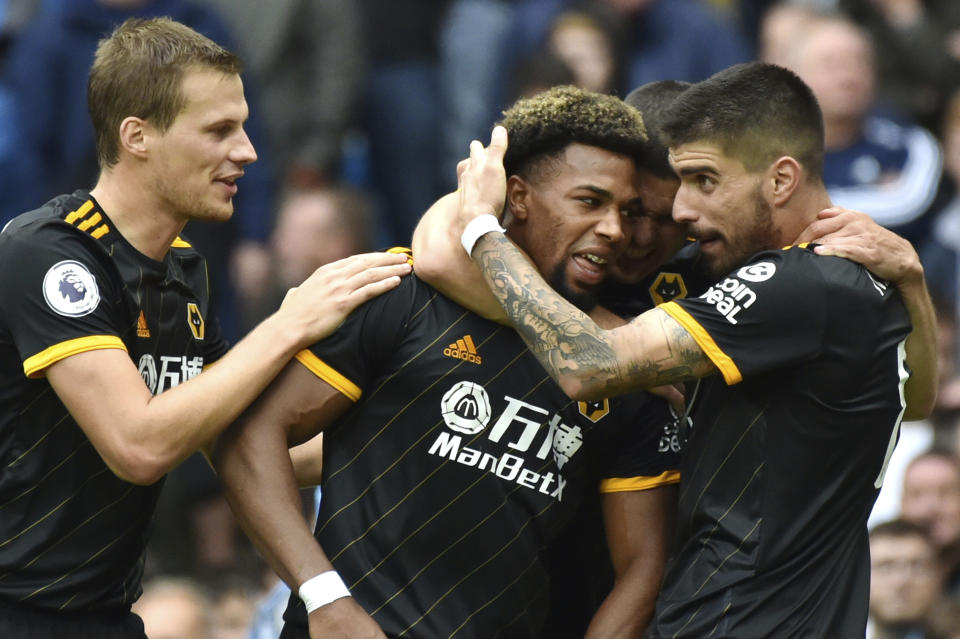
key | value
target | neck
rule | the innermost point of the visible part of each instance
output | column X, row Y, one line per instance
column 802, row 210
column 139, row 216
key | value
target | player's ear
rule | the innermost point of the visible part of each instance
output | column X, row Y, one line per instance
column 133, row 136
column 518, row 197
column 784, row 177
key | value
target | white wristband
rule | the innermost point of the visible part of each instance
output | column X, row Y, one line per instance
column 477, row 228
column 322, row 589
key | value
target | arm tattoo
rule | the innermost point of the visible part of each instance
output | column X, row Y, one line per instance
column 568, row 344
column 562, row 337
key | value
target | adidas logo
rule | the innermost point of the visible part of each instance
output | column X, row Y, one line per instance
column 464, row 349
column 142, row 330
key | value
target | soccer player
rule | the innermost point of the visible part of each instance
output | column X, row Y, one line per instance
column 106, row 325
column 802, row 355
column 450, row 458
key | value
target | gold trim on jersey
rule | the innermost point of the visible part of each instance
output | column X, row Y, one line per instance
column 731, row 374
column 629, row 484
column 80, row 213
column 323, row 370
column 402, row 250
column 179, row 242
column 34, row 365
column 86, row 224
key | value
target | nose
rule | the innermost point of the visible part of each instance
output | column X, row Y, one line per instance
column 243, row 151
column 683, row 212
column 610, row 226
column 641, row 230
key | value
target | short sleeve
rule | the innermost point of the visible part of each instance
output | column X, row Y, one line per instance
column 770, row 312
column 357, row 351
column 643, row 453
column 61, row 297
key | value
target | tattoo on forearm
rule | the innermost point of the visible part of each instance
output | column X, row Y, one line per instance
column 565, row 340
column 562, row 337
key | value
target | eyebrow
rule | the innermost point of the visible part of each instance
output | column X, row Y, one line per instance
column 692, row 170
column 595, row 189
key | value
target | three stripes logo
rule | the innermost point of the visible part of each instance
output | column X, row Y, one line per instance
column 464, row 349
column 142, row 329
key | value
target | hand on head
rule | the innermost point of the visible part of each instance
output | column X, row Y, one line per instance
column 482, row 180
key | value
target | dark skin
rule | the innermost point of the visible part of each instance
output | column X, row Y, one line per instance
column 574, row 213
column 654, row 349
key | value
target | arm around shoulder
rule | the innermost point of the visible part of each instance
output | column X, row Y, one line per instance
column 440, row 261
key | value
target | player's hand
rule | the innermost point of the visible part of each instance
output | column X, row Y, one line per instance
column 321, row 303
column 856, row 236
column 482, row 180
column 343, row 619
column 673, row 393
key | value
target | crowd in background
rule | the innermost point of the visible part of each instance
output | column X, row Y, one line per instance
column 360, row 110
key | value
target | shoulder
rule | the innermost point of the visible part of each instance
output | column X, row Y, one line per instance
column 45, row 227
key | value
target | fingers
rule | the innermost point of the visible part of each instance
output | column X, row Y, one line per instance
column 361, row 262
column 370, row 290
column 375, row 274
column 498, row 144
column 477, row 152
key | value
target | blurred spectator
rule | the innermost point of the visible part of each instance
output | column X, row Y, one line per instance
column 474, row 54
column 307, row 59
column 779, row 29
column 905, row 581
column 916, row 71
column 664, row 39
column 676, row 40
column 931, row 498
column 174, row 609
column 47, row 71
column 314, row 226
column 892, row 171
column 232, row 613
column 586, row 41
column 402, row 106
column 536, row 74
column 941, row 254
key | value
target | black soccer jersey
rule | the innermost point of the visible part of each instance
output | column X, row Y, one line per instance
column 580, row 582
column 681, row 277
column 72, row 534
column 457, row 464
column 785, row 460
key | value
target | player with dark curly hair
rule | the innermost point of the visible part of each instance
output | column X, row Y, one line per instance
column 450, row 460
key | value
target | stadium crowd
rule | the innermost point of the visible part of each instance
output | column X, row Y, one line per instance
column 343, row 93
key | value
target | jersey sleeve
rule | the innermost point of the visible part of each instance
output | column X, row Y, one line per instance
column 643, row 452
column 770, row 312
column 61, row 298
column 355, row 353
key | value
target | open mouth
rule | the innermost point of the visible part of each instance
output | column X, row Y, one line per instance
column 591, row 267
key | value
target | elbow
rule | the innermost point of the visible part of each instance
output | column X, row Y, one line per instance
column 140, row 466
column 427, row 266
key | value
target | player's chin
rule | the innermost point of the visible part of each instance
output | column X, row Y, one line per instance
column 584, row 297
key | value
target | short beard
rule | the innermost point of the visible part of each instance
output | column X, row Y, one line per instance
column 760, row 238
column 586, row 301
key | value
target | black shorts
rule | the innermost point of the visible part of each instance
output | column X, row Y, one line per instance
column 21, row 622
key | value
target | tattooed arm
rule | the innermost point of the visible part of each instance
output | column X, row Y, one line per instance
column 587, row 361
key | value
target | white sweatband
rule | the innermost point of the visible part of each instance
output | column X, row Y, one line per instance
column 477, row 228
column 322, row 589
